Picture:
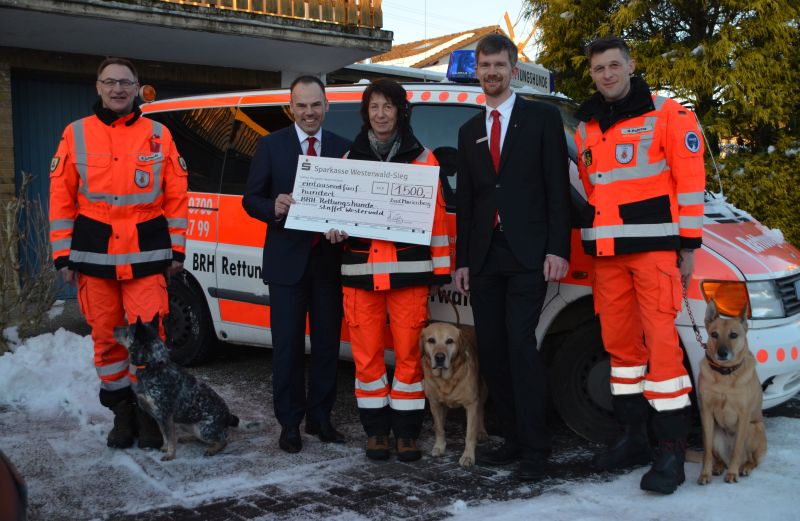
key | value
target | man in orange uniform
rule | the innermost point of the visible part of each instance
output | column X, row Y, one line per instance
column 641, row 162
column 118, row 215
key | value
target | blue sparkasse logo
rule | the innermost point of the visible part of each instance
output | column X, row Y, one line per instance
column 692, row 141
column 306, row 165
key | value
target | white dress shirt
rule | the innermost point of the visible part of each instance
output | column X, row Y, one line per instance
column 303, row 138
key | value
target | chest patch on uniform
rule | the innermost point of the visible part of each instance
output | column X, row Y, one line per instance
column 624, row 153
column 637, row 130
column 54, row 163
column 152, row 157
column 141, row 178
column 587, row 157
column 182, row 162
column 692, row 141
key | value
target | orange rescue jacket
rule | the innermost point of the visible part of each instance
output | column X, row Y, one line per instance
column 118, row 202
column 645, row 179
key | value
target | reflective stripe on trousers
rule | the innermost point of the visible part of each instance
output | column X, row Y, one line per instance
column 366, row 315
column 637, row 297
column 105, row 304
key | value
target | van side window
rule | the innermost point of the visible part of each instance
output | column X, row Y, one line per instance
column 436, row 126
column 252, row 123
column 201, row 136
column 343, row 119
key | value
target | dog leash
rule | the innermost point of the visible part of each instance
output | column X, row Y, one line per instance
column 694, row 322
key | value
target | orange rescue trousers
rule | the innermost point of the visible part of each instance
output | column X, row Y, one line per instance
column 381, row 408
column 105, row 303
column 638, row 296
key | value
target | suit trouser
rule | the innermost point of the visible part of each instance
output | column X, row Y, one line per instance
column 506, row 301
column 105, row 303
column 381, row 408
column 318, row 294
column 638, row 296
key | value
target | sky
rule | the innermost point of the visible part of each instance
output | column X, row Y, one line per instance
column 413, row 20
column 55, row 433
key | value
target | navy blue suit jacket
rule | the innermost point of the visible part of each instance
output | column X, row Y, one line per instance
column 272, row 173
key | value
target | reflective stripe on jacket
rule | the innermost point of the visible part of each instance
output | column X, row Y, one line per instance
column 118, row 201
column 645, row 181
column 381, row 265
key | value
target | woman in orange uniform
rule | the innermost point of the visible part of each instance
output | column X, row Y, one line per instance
column 380, row 276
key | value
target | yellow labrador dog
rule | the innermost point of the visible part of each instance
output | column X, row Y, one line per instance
column 730, row 400
column 450, row 364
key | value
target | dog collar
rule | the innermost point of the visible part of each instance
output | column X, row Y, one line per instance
column 720, row 368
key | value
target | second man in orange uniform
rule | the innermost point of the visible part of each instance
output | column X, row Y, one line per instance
column 641, row 162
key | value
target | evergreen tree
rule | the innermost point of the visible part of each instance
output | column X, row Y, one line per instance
column 735, row 62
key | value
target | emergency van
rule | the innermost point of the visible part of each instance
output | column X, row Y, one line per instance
column 220, row 295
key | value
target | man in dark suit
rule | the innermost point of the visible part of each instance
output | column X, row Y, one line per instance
column 513, row 236
column 302, row 270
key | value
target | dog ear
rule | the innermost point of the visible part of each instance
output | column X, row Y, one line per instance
column 711, row 312
column 156, row 320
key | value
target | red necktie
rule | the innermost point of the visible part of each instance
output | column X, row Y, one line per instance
column 494, row 150
column 313, row 152
column 494, row 141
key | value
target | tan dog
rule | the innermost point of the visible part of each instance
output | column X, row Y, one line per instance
column 730, row 400
column 450, row 364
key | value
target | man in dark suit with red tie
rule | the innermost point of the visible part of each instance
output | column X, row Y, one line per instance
column 513, row 237
column 302, row 270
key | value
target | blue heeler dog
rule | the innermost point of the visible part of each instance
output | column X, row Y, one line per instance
column 170, row 394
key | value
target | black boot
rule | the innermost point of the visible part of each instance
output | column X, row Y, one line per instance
column 632, row 448
column 122, row 404
column 147, row 430
column 666, row 474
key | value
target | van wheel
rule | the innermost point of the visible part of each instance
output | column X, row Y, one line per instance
column 579, row 380
column 190, row 334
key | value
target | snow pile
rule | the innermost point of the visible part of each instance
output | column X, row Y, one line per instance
column 51, row 374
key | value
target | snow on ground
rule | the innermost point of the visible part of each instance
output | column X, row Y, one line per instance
column 54, row 429
column 767, row 494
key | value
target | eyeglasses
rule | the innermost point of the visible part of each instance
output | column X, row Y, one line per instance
column 110, row 82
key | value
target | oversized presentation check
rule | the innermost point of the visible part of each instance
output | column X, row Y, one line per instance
column 372, row 199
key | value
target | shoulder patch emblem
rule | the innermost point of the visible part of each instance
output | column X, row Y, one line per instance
column 141, row 178
column 54, row 163
column 587, row 157
column 182, row 162
column 624, row 153
column 692, row 141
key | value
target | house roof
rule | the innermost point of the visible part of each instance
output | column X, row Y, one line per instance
column 425, row 52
